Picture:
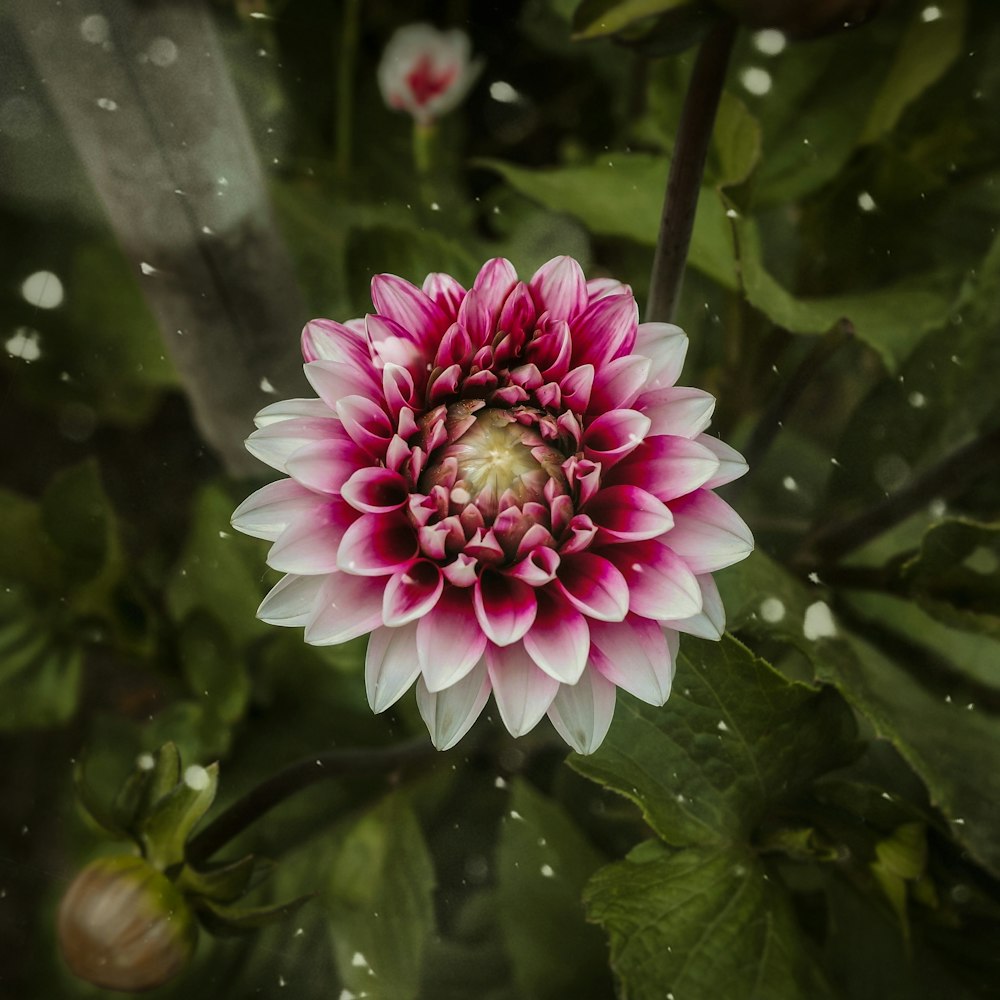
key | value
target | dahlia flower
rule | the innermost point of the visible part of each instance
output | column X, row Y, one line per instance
column 506, row 488
column 426, row 72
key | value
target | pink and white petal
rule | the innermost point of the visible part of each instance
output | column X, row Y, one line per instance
column 523, row 693
column 449, row 640
column 408, row 306
column 582, row 712
column 378, row 545
column 445, row 291
column 667, row 466
column 707, row 533
column 288, row 409
column 367, row 423
column 559, row 641
column 275, row 443
column 411, row 592
column 325, row 340
column 594, row 586
column 374, row 490
column 628, row 513
column 635, row 656
column 291, row 601
column 614, row 435
column 559, row 288
column 605, row 329
column 666, row 347
column 267, row 512
column 505, row 607
column 681, row 410
column 348, row 607
column 390, row 665
column 597, row 288
column 311, row 543
column 333, row 380
column 449, row 714
column 576, row 387
column 661, row 584
column 732, row 464
column 495, row 281
column 327, row 465
column 710, row 622
column 618, row 383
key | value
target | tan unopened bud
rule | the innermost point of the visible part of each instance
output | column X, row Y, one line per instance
column 123, row 925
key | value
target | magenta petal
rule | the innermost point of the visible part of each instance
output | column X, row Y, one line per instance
column 377, row 545
column 449, row 714
column 629, row 513
column 412, row 592
column 325, row 340
column 523, row 693
column 333, row 380
column 634, row 655
column 292, row 600
column 275, row 443
column 408, row 306
column 390, row 665
column 605, row 329
column 538, row 567
column 666, row 347
column 266, row 513
column 367, row 423
column 348, row 607
column 449, row 640
column 559, row 641
column 618, row 383
column 576, row 388
column 327, row 465
column 661, row 585
column 310, row 544
column 445, row 291
column 582, row 712
column 732, row 464
column 505, row 607
column 680, row 410
column 375, row 490
column 495, row 281
column 594, row 586
column 708, row 533
column 560, row 288
column 666, row 466
column 710, row 622
column 614, row 435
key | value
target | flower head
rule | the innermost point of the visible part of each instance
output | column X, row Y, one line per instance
column 426, row 72
column 506, row 488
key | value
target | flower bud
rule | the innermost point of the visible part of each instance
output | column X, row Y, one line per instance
column 122, row 925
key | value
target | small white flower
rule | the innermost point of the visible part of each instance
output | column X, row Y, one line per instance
column 427, row 72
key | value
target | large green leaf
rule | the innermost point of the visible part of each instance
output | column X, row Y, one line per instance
column 379, row 901
column 622, row 195
column 735, row 738
column 702, row 922
column 596, row 18
column 543, row 863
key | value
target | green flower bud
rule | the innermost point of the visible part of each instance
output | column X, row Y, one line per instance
column 123, row 925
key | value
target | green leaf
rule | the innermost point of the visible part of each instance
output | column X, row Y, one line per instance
column 735, row 738
column 225, row 918
column 543, row 863
column 167, row 826
column 892, row 320
column 378, row 898
column 736, row 140
column 598, row 18
column 701, row 922
column 219, row 569
column 221, row 884
column 622, row 195
column 213, row 669
column 925, row 52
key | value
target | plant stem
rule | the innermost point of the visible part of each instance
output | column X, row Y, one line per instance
column 686, row 168
column 946, row 479
column 344, row 124
column 788, row 395
column 295, row 777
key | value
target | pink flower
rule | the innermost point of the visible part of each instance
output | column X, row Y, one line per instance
column 505, row 487
column 426, row 72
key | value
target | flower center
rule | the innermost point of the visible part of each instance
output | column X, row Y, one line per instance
column 501, row 453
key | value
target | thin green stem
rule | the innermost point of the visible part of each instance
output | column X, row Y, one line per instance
column 295, row 777
column 346, row 61
column 686, row 168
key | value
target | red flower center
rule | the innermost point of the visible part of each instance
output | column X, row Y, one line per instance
column 426, row 81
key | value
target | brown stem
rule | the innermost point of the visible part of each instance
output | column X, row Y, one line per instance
column 686, row 168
